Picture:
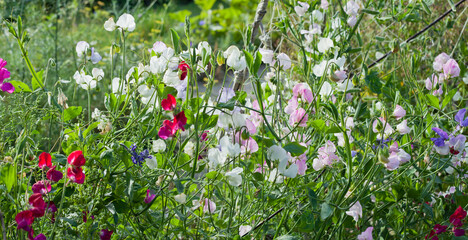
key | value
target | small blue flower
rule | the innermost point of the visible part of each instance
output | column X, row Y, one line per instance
column 381, row 143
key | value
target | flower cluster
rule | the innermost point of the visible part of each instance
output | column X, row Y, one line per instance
column 455, row 219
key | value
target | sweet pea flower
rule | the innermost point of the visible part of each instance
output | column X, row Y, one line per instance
column 226, row 95
column 126, row 22
column 4, row 74
column 244, row 229
column 184, row 67
column 299, row 116
column 42, row 187
column 326, row 156
column 439, row 61
column 460, row 118
column 106, row 234
column 457, row 216
column 169, row 128
column 40, row 237
column 302, row 8
column 95, row 56
column 366, row 235
column 24, row 220
column 234, row 58
column 45, row 160
column 324, row 4
column 210, row 206
column 324, row 44
column 169, row 103
column 440, row 228
column 403, row 128
column 81, row 48
column 351, row 21
column 109, row 25
column 203, row 47
column 284, row 61
column 149, row 196
column 76, row 159
column 399, row 112
column 355, row 211
column 351, row 8
column 267, row 55
column 180, row 198
column 159, row 145
column 451, row 69
column 76, row 175
column 38, row 205
column 234, row 178
column 54, row 175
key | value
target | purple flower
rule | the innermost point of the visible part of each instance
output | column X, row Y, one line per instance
column 459, row 118
column 138, row 158
column 201, row 23
column 149, row 196
column 95, row 57
column 439, row 142
column 4, row 74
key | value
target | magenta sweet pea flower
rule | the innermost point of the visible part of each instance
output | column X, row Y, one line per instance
column 54, row 175
column 105, row 234
column 38, row 204
column 4, row 74
column 440, row 228
column 42, row 187
column 169, row 103
column 40, row 237
column 76, row 159
column 76, row 175
column 149, row 196
column 458, row 232
column 24, row 220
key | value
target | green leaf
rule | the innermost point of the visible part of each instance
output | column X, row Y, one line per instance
column 8, row 175
column 433, row 100
column 319, row 124
column 449, row 97
column 249, row 59
column 175, row 40
column 295, row 148
column 373, row 82
column 20, row 86
column 326, row 211
column 37, row 83
column 71, row 113
column 205, row 4
column 258, row 177
column 257, row 62
column 180, row 15
column 211, row 175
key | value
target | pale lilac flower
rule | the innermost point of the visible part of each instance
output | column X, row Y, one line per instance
column 351, row 8
column 317, row 15
column 366, row 235
column 302, row 8
column 304, row 91
column 301, row 164
column 210, row 206
column 399, row 112
column 403, row 128
column 339, row 76
column 439, row 61
column 326, row 156
column 451, row 69
column 324, row 4
column 226, row 95
column 351, row 21
column 355, row 211
column 95, row 57
column 158, row 47
column 292, row 105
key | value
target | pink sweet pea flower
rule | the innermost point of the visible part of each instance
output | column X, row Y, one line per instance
column 355, row 211
column 301, row 164
column 45, row 160
column 210, row 206
column 54, row 175
column 149, row 196
column 451, row 69
column 299, row 116
column 169, row 103
column 76, row 159
column 38, row 204
column 439, row 61
column 169, row 128
column 304, row 91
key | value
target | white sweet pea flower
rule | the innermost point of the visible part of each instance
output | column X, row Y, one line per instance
column 267, row 55
column 158, row 47
column 159, row 145
column 234, row 58
column 317, row 15
column 234, row 178
column 346, row 85
column 152, row 162
column 118, row 86
column 275, row 177
column 228, row 148
column 244, row 229
column 403, row 128
column 203, row 46
column 181, row 198
column 324, row 44
column 97, row 73
column 326, row 89
column 126, row 22
column 216, row 157
column 81, row 48
column 148, row 95
column 85, row 81
column 302, row 8
column 351, row 8
column 109, row 25
column 284, row 61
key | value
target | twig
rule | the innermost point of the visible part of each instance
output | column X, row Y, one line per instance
column 261, row 11
column 418, row 33
column 264, row 221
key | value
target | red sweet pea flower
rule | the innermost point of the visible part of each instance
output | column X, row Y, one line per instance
column 54, row 175
column 38, row 204
column 24, row 220
column 457, row 216
column 76, row 175
column 45, row 160
column 184, row 67
column 76, row 159
column 169, row 103
column 42, row 187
